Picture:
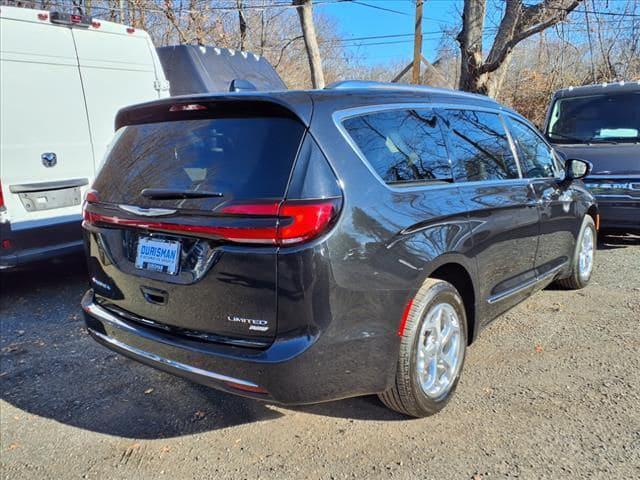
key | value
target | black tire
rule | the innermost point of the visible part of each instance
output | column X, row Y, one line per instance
column 575, row 281
column 406, row 395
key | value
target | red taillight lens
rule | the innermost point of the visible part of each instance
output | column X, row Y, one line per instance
column 298, row 220
column 90, row 197
column 269, row 208
column 304, row 220
column 293, row 221
column 187, row 107
column 1, row 197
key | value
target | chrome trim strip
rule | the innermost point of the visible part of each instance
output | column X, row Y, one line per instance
column 601, row 195
column 512, row 291
column 147, row 212
column 103, row 315
column 47, row 186
column 615, row 177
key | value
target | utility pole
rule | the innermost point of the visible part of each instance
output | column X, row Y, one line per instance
column 417, row 43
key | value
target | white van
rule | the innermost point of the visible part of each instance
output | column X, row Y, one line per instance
column 62, row 80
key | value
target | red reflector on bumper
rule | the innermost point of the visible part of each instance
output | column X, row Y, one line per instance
column 246, row 388
column 405, row 316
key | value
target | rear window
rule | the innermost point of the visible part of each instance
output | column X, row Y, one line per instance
column 242, row 158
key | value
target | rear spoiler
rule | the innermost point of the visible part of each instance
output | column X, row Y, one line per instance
column 195, row 107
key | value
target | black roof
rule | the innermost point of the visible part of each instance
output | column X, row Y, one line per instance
column 618, row 87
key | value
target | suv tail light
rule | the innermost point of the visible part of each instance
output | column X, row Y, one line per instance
column 295, row 222
column 1, row 198
column 298, row 220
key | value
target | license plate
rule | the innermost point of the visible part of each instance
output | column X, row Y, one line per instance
column 158, row 255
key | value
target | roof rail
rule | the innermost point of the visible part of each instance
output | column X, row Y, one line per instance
column 367, row 84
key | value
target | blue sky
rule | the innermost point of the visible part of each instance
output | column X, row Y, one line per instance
column 356, row 20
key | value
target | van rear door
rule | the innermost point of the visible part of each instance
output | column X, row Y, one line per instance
column 118, row 69
column 45, row 147
column 183, row 220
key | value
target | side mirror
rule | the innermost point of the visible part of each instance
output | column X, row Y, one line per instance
column 576, row 169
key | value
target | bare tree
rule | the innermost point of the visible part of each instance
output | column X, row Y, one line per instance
column 305, row 12
column 519, row 21
column 242, row 25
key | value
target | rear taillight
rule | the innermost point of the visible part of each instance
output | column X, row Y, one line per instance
column 90, row 197
column 294, row 222
column 1, row 198
column 298, row 220
column 303, row 220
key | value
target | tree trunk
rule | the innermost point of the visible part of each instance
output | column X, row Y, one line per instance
column 470, row 39
column 519, row 21
column 305, row 12
column 243, row 26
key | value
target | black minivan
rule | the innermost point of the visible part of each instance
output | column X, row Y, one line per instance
column 305, row 246
column 601, row 124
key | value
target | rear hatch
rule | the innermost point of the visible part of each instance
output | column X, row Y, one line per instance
column 185, row 219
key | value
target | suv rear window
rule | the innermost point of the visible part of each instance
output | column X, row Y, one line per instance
column 242, row 158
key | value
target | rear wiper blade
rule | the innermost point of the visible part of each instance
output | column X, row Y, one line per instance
column 173, row 194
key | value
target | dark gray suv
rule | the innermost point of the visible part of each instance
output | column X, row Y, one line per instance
column 306, row 246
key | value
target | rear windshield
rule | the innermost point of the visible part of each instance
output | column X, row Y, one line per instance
column 596, row 119
column 242, row 158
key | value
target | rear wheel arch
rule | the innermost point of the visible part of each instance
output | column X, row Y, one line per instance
column 594, row 213
column 459, row 276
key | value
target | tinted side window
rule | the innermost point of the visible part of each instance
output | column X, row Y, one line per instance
column 537, row 158
column 480, row 146
column 402, row 146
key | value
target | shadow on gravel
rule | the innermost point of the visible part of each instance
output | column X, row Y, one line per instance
column 617, row 240
column 358, row 408
column 50, row 367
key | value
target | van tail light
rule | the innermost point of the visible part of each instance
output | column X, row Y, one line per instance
column 293, row 222
column 1, row 198
column 300, row 221
column 91, row 196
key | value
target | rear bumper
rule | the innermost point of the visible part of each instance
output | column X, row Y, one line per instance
column 299, row 370
column 619, row 215
column 39, row 241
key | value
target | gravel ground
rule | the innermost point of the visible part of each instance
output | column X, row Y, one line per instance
column 550, row 390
